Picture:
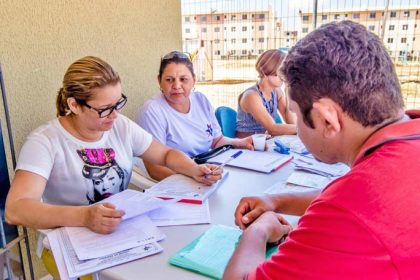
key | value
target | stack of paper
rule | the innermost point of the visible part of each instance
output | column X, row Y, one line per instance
column 209, row 254
column 312, row 165
column 79, row 251
column 184, row 189
column 254, row 160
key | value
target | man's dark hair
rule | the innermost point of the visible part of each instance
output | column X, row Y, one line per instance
column 348, row 64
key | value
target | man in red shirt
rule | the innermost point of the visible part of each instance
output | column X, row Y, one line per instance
column 345, row 92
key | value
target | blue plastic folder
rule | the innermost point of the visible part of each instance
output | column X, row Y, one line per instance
column 209, row 254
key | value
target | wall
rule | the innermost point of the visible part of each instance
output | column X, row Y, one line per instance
column 39, row 39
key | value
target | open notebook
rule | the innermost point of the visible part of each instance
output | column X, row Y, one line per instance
column 254, row 160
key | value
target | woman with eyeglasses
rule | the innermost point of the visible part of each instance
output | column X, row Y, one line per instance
column 258, row 106
column 181, row 117
column 70, row 163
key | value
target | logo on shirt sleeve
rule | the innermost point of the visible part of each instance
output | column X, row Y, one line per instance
column 107, row 177
column 209, row 130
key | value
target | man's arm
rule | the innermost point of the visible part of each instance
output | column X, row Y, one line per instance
column 269, row 227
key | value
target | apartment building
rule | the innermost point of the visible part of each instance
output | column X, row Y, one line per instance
column 399, row 28
column 226, row 35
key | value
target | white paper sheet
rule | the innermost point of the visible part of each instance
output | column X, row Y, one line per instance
column 181, row 214
column 130, row 233
column 283, row 187
column 136, row 203
column 184, row 188
column 309, row 180
column 70, row 267
column 312, row 165
column 254, row 160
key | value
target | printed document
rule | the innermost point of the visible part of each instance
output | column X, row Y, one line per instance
column 70, row 267
column 130, row 233
column 309, row 180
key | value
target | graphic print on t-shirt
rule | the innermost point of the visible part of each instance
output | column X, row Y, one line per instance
column 106, row 176
column 209, row 130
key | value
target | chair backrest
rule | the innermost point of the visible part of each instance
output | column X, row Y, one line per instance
column 226, row 117
column 278, row 119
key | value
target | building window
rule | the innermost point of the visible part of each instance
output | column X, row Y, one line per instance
column 187, row 19
column 244, row 40
column 244, row 52
column 336, row 16
column 305, row 18
column 371, row 27
column 187, row 30
column 324, row 17
column 244, row 16
column 233, row 52
column 233, row 41
column 233, row 17
column 392, row 27
column 204, row 29
column 261, row 40
column 233, row 28
column 217, row 18
column 261, row 16
column 390, row 40
column 405, row 27
column 356, row 16
column 260, row 51
column 217, row 41
column 403, row 40
column 406, row 13
column 414, row 38
column 393, row 14
column 217, row 52
column 372, row 15
column 203, row 18
column 217, row 29
column 261, row 27
column 244, row 28
column 305, row 30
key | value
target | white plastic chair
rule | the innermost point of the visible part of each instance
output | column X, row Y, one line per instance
column 140, row 177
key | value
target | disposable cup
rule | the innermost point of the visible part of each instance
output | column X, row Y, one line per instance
column 259, row 141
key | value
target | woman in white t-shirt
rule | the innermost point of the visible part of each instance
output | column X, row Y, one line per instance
column 181, row 117
column 85, row 155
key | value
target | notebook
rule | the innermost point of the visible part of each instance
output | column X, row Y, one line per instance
column 184, row 188
column 265, row 162
column 209, row 254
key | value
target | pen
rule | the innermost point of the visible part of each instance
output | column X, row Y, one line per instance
column 235, row 155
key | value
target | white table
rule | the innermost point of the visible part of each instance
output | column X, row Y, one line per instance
column 223, row 203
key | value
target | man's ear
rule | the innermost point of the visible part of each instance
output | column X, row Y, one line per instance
column 328, row 113
column 73, row 105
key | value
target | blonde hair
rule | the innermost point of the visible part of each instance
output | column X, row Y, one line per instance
column 81, row 78
column 269, row 62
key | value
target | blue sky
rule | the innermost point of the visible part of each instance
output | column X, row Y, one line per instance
column 288, row 10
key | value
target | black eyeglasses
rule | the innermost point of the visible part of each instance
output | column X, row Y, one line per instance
column 107, row 111
column 177, row 54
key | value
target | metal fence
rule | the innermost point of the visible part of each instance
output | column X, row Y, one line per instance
column 225, row 37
